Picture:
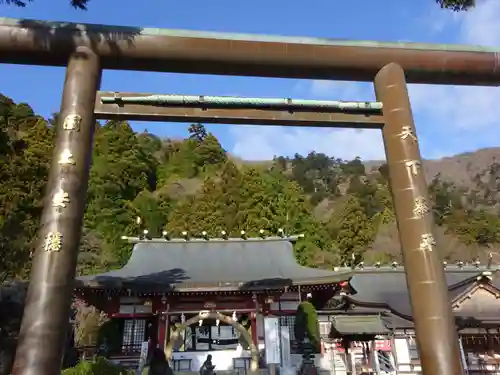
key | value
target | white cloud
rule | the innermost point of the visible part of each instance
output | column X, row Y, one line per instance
column 466, row 108
column 262, row 143
column 482, row 26
column 450, row 119
column 342, row 90
column 457, row 109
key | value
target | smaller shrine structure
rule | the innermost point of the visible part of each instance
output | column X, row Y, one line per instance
column 368, row 327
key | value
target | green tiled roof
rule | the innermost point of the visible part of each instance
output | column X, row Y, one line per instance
column 359, row 325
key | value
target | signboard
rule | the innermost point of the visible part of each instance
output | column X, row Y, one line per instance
column 143, row 357
column 286, row 354
column 272, row 340
column 382, row 345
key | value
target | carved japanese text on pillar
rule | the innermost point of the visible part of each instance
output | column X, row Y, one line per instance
column 72, row 122
column 407, row 132
column 60, row 199
column 427, row 242
column 413, row 167
column 66, row 158
column 420, row 207
column 53, row 242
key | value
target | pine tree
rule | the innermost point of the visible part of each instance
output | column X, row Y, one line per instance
column 26, row 144
column 352, row 231
column 120, row 171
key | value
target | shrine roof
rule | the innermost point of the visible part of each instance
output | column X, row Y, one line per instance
column 357, row 324
column 211, row 265
column 386, row 286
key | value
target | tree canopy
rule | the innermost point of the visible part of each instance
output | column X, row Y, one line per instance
column 77, row 4
column 457, row 5
column 454, row 5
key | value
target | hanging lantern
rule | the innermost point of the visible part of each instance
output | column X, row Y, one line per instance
column 200, row 322
column 234, row 317
column 217, row 322
column 183, row 318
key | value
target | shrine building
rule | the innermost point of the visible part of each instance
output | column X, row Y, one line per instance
column 194, row 297
column 208, row 289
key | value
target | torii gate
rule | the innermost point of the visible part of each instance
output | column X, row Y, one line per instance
column 86, row 50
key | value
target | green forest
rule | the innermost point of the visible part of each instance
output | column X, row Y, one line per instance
column 343, row 208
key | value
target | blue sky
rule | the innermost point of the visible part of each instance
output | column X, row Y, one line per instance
column 449, row 120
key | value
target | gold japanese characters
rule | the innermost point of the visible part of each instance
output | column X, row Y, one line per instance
column 427, row 242
column 72, row 122
column 60, row 199
column 66, row 158
column 413, row 167
column 53, row 242
column 407, row 132
column 420, row 207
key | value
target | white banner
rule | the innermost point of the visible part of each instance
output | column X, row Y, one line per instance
column 286, row 354
column 272, row 340
column 143, row 358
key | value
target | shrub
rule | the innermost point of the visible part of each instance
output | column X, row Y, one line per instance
column 88, row 321
column 306, row 324
column 100, row 367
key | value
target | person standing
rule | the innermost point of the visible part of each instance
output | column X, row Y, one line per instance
column 207, row 368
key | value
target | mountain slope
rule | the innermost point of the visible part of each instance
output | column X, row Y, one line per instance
column 343, row 207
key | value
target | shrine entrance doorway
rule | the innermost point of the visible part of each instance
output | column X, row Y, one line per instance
column 176, row 335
